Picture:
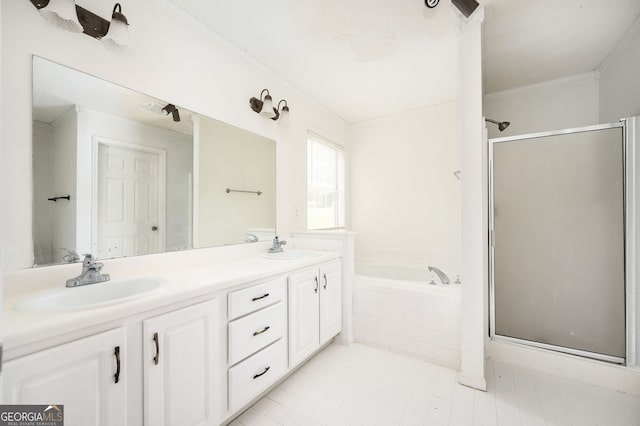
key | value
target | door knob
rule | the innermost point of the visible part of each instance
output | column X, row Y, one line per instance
column 154, row 228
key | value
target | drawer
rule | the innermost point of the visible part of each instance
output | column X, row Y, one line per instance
column 255, row 374
column 250, row 334
column 251, row 299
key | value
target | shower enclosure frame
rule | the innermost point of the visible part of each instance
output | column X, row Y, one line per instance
column 629, row 241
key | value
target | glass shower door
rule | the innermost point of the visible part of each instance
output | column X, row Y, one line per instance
column 557, row 220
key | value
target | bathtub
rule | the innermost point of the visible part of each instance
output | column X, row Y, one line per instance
column 404, row 277
column 395, row 308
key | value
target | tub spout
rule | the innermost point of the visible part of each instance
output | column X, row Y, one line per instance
column 441, row 275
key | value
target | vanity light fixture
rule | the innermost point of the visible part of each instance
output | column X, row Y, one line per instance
column 265, row 107
column 171, row 109
column 71, row 17
column 118, row 34
column 282, row 113
column 61, row 13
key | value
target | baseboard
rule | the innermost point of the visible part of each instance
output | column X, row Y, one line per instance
column 472, row 381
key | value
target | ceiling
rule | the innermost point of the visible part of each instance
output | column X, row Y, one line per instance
column 57, row 88
column 527, row 42
column 365, row 59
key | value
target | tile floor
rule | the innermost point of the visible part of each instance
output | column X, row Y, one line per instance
column 361, row 385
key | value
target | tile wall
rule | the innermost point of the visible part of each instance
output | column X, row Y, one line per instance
column 407, row 321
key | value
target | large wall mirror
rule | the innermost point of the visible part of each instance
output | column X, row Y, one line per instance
column 118, row 173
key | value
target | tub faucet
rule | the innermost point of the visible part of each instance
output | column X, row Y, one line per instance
column 277, row 245
column 90, row 273
column 443, row 277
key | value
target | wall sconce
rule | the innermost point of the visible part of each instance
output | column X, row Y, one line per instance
column 71, row 17
column 265, row 107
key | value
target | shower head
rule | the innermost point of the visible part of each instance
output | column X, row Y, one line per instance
column 501, row 124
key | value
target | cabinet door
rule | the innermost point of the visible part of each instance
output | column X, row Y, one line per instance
column 179, row 350
column 80, row 375
column 330, row 301
column 304, row 318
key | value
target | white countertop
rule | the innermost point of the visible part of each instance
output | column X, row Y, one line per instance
column 21, row 329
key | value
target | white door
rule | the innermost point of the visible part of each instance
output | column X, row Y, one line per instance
column 80, row 375
column 330, row 301
column 304, row 318
column 180, row 357
column 129, row 183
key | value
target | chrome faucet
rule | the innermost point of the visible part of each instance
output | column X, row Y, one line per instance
column 277, row 245
column 71, row 256
column 443, row 277
column 250, row 238
column 90, row 273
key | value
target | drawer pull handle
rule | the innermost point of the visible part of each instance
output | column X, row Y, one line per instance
column 156, row 340
column 325, row 281
column 316, row 289
column 255, row 333
column 261, row 297
column 261, row 374
column 117, row 354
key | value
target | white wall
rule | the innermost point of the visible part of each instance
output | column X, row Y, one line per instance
column 64, row 152
column 620, row 79
column 192, row 67
column 405, row 199
column 558, row 104
column 43, row 219
column 230, row 157
column 473, row 223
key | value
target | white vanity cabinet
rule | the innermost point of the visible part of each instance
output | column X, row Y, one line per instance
column 179, row 353
column 257, row 336
column 88, row 377
column 315, row 312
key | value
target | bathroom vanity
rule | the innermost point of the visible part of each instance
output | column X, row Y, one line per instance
column 196, row 350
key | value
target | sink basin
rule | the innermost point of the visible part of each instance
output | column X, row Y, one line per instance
column 90, row 296
column 292, row 255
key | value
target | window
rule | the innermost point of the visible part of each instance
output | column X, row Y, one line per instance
column 325, row 184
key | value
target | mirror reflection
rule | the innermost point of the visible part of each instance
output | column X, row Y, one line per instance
column 118, row 173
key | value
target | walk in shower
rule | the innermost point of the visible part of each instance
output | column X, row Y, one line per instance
column 557, row 241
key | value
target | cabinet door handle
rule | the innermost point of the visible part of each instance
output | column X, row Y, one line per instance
column 116, row 352
column 316, row 289
column 255, row 333
column 261, row 374
column 261, row 297
column 325, row 281
column 156, row 340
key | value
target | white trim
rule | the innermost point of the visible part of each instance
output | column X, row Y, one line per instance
column 475, row 382
column 162, row 186
column 594, row 75
column 195, row 217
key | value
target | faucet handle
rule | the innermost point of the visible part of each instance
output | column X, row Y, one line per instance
column 89, row 260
